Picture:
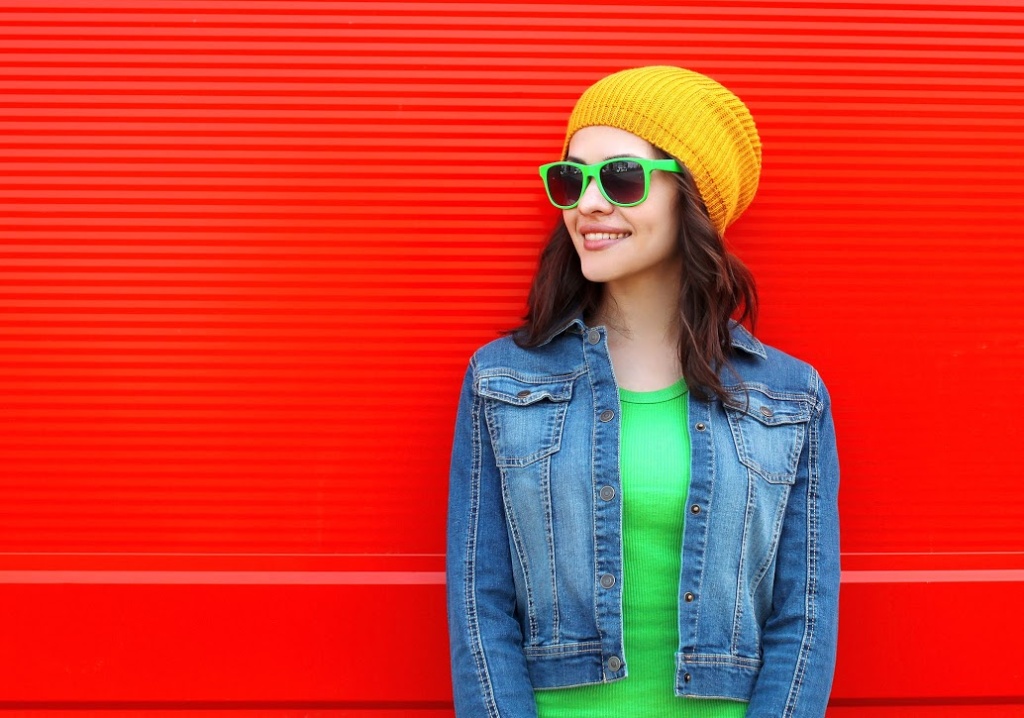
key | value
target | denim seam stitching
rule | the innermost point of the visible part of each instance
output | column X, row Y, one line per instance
column 534, row 379
column 472, row 619
column 598, row 624
column 799, row 396
column 714, row 659
column 541, row 652
column 810, row 605
column 550, row 525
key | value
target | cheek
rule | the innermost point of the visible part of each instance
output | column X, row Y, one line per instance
column 664, row 230
column 567, row 218
column 570, row 222
column 666, row 216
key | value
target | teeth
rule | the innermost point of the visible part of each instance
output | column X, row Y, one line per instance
column 605, row 235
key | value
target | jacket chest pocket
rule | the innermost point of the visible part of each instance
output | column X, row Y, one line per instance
column 524, row 416
column 769, row 433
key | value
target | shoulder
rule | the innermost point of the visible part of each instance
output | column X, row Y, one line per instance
column 500, row 351
column 760, row 366
column 563, row 355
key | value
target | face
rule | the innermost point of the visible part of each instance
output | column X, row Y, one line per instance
column 624, row 245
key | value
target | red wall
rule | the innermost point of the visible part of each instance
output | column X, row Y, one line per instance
column 247, row 249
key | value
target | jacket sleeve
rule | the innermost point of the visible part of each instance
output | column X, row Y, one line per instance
column 799, row 639
column 489, row 676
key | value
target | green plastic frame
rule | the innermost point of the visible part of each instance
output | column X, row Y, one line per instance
column 594, row 172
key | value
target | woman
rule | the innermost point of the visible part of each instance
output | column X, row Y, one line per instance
column 642, row 516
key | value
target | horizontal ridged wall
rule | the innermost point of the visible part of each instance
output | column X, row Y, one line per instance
column 247, row 250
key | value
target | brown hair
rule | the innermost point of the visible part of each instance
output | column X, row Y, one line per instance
column 716, row 288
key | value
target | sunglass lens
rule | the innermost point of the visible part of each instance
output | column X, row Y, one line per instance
column 565, row 183
column 623, row 181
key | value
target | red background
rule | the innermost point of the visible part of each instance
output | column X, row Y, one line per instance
column 247, row 249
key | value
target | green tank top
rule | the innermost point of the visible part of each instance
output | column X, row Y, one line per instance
column 655, row 468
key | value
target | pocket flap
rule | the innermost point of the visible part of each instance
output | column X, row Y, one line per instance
column 771, row 411
column 523, row 391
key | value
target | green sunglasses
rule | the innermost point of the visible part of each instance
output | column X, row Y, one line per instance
column 623, row 181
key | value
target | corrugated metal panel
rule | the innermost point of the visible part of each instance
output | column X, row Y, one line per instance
column 248, row 249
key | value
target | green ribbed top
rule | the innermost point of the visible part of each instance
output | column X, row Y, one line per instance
column 655, row 468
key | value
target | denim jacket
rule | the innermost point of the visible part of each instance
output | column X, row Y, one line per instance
column 534, row 552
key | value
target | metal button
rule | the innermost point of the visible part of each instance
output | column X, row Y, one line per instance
column 607, row 581
column 700, row 426
column 614, row 663
column 607, row 415
column 523, row 394
column 765, row 411
column 688, row 597
column 695, row 509
column 687, row 677
column 593, row 336
column 607, row 493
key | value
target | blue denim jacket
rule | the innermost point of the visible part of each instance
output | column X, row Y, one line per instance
column 534, row 552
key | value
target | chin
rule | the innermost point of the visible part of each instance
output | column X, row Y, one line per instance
column 599, row 272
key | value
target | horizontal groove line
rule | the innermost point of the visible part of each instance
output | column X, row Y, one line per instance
column 478, row 88
column 689, row 19
column 403, row 708
column 770, row 48
column 403, row 9
column 687, row 27
column 229, row 578
column 381, row 16
column 246, row 137
column 534, row 138
column 808, row 70
column 844, row 37
column 922, row 701
column 404, row 12
column 934, row 576
column 812, row 68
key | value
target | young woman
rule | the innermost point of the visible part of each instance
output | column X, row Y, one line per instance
column 642, row 516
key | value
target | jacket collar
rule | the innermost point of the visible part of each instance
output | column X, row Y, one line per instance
column 742, row 339
column 575, row 325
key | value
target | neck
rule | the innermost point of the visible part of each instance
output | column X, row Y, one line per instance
column 645, row 313
column 643, row 333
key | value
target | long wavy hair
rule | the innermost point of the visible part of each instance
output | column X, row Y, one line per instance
column 716, row 289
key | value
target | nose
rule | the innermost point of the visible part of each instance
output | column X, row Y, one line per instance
column 592, row 201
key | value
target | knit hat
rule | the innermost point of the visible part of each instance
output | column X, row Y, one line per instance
column 690, row 116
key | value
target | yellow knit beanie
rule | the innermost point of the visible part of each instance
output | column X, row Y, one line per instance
column 690, row 116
